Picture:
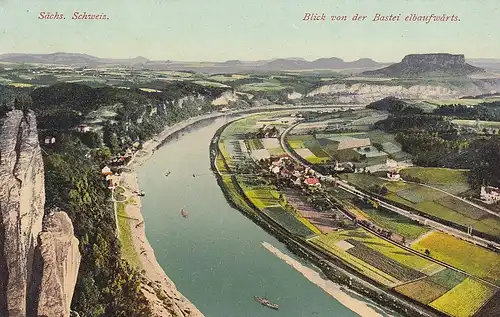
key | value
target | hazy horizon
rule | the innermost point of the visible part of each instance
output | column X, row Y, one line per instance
column 242, row 60
column 248, row 30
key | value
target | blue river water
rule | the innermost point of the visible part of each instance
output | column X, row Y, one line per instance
column 215, row 256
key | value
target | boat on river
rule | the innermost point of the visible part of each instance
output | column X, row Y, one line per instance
column 167, row 173
column 266, row 302
column 184, row 213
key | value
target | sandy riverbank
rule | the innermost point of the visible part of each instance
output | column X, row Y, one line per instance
column 170, row 302
column 359, row 307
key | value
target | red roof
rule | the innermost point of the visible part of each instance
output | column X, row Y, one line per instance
column 312, row 181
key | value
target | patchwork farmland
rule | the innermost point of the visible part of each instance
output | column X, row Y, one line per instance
column 399, row 263
column 431, row 202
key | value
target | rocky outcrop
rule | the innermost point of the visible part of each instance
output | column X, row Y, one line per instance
column 225, row 98
column 417, row 65
column 365, row 93
column 373, row 91
column 22, row 200
column 55, row 268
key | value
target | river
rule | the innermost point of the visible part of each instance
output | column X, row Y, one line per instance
column 215, row 256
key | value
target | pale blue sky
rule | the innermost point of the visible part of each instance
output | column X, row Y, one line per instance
column 218, row 30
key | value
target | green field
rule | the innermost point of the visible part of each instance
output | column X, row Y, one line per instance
column 235, row 197
column 434, row 175
column 468, row 257
column 431, row 201
column 375, row 255
column 328, row 243
column 465, row 299
column 263, row 197
column 396, row 223
column 453, row 181
column 254, row 144
column 288, row 221
column 423, row 291
column 447, row 278
column 125, row 236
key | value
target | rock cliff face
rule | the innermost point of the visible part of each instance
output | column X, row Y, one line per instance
column 22, row 200
column 56, row 264
column 370, row 92
column 416, row 65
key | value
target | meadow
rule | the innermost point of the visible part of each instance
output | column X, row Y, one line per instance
column 431, row 201
column 465, row 299
column 373, row 255
column 463, row 255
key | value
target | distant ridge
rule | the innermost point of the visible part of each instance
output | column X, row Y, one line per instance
column 279, row 64
column 435, row 64
column 69, row 59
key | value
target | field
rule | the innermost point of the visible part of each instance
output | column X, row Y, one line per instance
column 492, row 308
column 375, row 257
column 473, row 123
column 125, row 236
column 288, row 221
column 423, row 291
column 396, row 223
column 472, row 259
column 263, row 197
column 382, row 262
column 447, row 278
column 465, row 299
column 431, row 201
column 325, row 146
column 451, row 180
column 234, row 196
column 265, row 86
column 254, row 144
column 430, row 288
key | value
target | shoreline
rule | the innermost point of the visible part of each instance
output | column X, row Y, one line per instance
column 333, row 289
column 333, row 269
column 158, row 288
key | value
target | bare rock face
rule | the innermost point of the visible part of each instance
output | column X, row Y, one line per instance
column 22, row 200
column 55, row 268
column 38, row 269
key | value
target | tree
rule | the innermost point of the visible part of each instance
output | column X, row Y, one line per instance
column 427, row 252
column 110, row 139
column 91, row 139
column 378, row 146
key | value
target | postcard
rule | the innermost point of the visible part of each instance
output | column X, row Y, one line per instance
column 249, row 158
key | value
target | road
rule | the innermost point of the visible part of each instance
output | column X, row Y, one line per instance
column 425, row 221
column 351, row 189
column 324, row 257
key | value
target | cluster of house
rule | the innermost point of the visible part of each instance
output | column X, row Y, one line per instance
column 108, row 174
column 490, row 195
column 127, row 155
column 286, row 168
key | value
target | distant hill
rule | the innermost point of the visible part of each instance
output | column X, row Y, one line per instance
column 491, row 64
column 69, row 59
column 279, row 64
column 394, row 105
column 416, row 65
column 321, row 63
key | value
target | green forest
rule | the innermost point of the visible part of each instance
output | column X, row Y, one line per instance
column 107, row 285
